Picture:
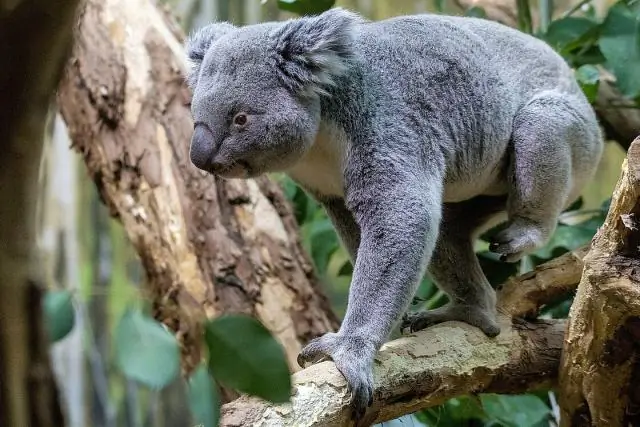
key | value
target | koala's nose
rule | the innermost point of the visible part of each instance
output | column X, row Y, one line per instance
column 202, row 147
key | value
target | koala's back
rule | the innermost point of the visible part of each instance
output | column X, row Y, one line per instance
column 457, row 84
column 473, row 51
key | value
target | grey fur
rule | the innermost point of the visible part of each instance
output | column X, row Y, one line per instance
column 415, row 133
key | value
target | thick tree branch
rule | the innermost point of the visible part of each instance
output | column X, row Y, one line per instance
column 416, row 372
column 445, row 361
column 601, row 360
column 35, row 36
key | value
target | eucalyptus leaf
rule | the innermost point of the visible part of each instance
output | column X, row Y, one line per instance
column 515, row 410
column 438, row 5
column 620, row 45
column 243, row 355
column 145, row 350
column 588, row 78
column 204, row 401
column 524, row 16
column 567, row 33
column 59, row 314
column 475, row 12
column 324, row 242
column 566, row 237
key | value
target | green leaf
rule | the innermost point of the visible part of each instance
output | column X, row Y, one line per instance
column 455, row 412
column 346, row 269
column 620, row 45
column 567, row 237
column 289, row 187
column 243, row 355
column 59, row 314
column 568, row 33
column 306, row 7
column 475, row 12
column 515, row 410
column 204, row 401
column 438, row 5
column 145, row 350
column 588, row 78
column 524, row 16
column 324, row 242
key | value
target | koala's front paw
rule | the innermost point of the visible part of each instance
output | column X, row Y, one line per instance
column 353, row 357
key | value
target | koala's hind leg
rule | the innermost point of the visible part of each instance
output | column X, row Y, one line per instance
column 456, row 270
column 541, row 171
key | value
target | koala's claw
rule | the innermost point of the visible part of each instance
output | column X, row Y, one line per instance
column 518, row 239
column 353, row 358
column 475, row 316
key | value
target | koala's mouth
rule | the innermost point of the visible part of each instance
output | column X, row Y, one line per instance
column 237, row 169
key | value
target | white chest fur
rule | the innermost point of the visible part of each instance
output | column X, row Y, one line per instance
column 321, row 168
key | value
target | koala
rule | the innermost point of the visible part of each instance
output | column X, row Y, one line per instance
column 415, row 133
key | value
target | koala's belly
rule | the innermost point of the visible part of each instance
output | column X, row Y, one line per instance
column 490, row 181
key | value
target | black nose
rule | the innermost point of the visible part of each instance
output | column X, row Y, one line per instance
column 202, row 147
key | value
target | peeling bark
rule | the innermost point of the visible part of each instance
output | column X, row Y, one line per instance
column 442, row 362
column 35, row 37
column 418, row 371
column 525, row 295
column 209, row 246
column 601, row 359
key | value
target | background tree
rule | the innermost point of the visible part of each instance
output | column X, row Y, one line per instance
column 34, row 40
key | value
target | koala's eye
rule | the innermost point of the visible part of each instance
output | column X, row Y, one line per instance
column 240, row 119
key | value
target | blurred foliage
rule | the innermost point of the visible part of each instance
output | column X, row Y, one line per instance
column 203, row 398
column 145, row 350
column 59, row 314
column 244, row 355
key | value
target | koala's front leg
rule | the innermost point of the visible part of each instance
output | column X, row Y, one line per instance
column 398, row 217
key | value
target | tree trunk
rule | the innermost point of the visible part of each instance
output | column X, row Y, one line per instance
column 34, row 39
column 209, row 246
column 601, row 358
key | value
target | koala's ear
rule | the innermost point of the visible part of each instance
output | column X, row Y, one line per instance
column 311, row 52
column 197, row 45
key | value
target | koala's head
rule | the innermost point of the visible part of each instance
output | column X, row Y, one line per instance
column 257, row 89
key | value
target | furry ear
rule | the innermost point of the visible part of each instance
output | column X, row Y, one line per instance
column 311, row 52
column 197, row 45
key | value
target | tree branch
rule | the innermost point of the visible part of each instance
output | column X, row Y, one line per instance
column 416, row 372
column 447, row 360
column 525, row 295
